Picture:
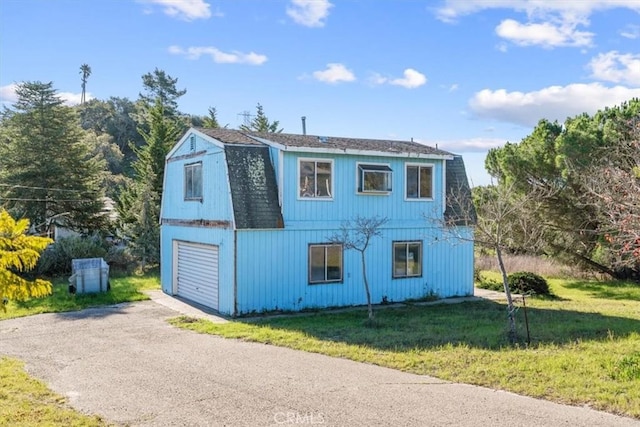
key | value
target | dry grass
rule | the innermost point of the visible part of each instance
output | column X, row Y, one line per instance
column 543, row 266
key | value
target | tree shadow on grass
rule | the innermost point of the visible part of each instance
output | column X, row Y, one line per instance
column 481, row 324
column 612, row 290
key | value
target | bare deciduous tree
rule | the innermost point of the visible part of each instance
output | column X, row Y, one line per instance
column 357, row 234
column 503, row 220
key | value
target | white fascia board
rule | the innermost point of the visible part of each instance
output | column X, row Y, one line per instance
column 186, row 136
column 316, row 150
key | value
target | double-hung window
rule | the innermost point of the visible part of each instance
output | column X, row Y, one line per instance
column 419, row 182
column 325, row 263
column 407, row 259
column 193, row 181
column 374, row 178
column 315, row 179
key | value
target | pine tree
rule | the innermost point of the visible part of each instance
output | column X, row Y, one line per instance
column 47, row 171
column 19, row 253
column 261, row 123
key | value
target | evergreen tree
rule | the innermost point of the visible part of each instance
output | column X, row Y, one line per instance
column 261, row 123
column 158, row 85
column 139, row 206
column 47, row 171
column 211, row 121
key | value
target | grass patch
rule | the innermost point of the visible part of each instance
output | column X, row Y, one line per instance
column 123, row 289
column 25, row 401
column 585, row 347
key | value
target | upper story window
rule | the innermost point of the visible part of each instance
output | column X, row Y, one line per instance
column 315, row 179
column 374, row 178
column 193, row 181
column 419, row 182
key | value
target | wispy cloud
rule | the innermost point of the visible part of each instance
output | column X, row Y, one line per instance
column 218, row 56
column 310, row 13
column 334, row 73
column 187, row 10
column 631, row 32
column 552, row 103
column 616, row 67
column 469, row 145
column 452, row 10
column 550, row 23
column 411, row 79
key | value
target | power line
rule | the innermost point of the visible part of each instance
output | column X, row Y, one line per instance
column 17, row 199
column 47, row 188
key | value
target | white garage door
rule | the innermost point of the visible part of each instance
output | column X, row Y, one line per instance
column 197, row 272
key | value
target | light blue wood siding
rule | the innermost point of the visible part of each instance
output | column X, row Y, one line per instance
column 272, row 270
column 347, row 203
column 211, row 236
column 216, row 200
column 268, row 269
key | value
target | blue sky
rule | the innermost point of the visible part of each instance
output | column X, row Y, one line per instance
column 465, row 75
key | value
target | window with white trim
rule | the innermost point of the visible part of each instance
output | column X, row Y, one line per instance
column 325, row 263
column 315, row 179
column 373, row 178
column 419, row 181
column 407, row 259
column 193, row 181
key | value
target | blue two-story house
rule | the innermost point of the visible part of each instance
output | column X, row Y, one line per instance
column 247, row 220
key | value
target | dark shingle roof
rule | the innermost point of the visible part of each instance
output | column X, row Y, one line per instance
column 339, row 143
column 254, row 191
column 460, row 209
column 228, row 136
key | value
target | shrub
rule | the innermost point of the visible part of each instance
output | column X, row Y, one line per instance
column 56, row 259
column 528, row 283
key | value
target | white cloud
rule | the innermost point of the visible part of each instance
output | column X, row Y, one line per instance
column 552, row 103
column 454, row 87
column 71, row 98
column 631, row 32
column 334, row 73
column 616, row 67
column 551, row 23
column 570, row 10
column 545, row 34
column 218, row 56
column 187, row 10
column 310, row 13
column 8, row 93
column 411, row 80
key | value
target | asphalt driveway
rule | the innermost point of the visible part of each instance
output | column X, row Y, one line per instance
column 128, row 365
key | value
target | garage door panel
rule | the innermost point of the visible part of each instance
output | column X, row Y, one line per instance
column 197, row 273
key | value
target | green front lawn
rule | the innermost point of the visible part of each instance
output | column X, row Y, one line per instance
column 585, row 342
column 123, row 289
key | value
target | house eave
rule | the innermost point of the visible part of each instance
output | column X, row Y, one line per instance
column 375, row 153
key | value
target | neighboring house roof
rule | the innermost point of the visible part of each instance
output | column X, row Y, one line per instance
column 254, row 191
column 460, row 209
column 311, row 143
